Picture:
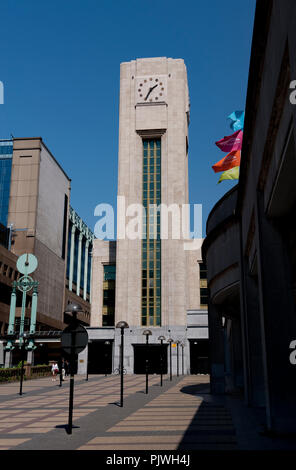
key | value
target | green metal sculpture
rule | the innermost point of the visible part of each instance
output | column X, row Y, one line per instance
column 26, row 264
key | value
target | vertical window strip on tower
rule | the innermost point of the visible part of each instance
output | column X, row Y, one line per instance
column 203, row 285
column 109, row 294
column 151, row 244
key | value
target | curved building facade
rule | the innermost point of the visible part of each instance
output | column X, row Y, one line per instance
column 250, row 248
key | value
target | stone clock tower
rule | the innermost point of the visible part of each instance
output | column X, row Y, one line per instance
column 152, row 169
column 149, row 282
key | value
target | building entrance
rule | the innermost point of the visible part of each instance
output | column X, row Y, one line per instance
column 199, row 356
column 156, row 354
column 100, row 356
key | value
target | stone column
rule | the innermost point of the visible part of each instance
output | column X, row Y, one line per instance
column 30, row 357
column 252, row 338
column 216, row 343
column 228, row 367
column 79, row 264
column 8, row 358
column 278, row 321
column 82, row 362
column 85, row 270
column 72, row 257
column 1, row 353
column 237, row 353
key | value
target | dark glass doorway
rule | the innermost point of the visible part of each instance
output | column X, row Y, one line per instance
column 100, row 356
column 156, row 355
column 199, row 356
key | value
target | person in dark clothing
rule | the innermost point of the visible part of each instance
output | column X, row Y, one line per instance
column 66, row 368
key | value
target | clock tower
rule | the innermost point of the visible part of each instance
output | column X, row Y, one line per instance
column 153, row 169
column 150, row 281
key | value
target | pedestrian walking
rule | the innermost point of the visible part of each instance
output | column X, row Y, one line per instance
column 54, row 371
column 63, row 369
column 66, row 368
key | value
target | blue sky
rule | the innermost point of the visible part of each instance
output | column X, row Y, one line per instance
column 60, row 68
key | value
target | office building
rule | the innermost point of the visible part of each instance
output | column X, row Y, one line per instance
column 37, row 218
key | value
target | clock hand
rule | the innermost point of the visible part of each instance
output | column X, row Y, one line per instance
column 150, row 89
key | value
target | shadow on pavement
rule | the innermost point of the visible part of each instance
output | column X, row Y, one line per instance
column 66, row 427
column 211, row 427
column 196, row 389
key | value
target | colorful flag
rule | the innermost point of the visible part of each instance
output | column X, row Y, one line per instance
column 232, row 174
column 237, row 119
column 231, row 142
column 231, row 160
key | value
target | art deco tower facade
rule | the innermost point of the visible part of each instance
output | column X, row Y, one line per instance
column 152, row 169
column 150, row 281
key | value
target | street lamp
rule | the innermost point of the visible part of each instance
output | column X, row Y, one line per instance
column 89, row 341
column 107, row 343
column 182, row 346
column 177, row 342
column 72, row 309
column 170, row 341
column 147, row 333
column 161, row 339
column 122, row 325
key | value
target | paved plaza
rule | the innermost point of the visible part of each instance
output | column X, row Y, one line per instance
column 181, row 415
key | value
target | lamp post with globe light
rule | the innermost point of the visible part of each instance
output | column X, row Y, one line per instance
column 161, row 339
column 170, row 341
column 72, row 309
column 122, row 325
column 182, row 346
column 178, row 342
column 147, row 333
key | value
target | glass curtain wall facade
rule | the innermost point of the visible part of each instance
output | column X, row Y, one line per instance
column 151, row 243
column 6, row 150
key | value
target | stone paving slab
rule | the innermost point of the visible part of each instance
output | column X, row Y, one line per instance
column 171, row 421
column 180, row 416
column 94, row 406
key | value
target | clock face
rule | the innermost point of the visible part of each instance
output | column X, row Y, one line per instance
column 151, row 89
column 27, row 263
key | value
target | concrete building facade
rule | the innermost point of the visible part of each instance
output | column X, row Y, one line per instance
column 34, row 204
column 38, row 202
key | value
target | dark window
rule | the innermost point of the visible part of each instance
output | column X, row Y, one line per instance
column 109, row 294
column 109, row 272
column 203, row 271
column 204, row 296
column 65, row 226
